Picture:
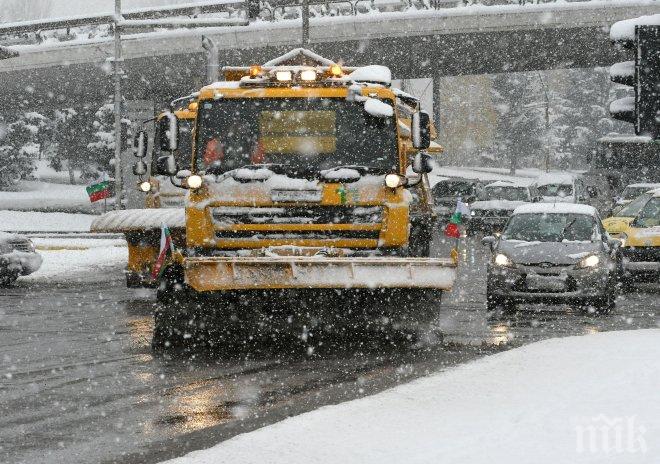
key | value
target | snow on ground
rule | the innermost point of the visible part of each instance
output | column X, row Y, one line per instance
column 588, row 399
column 67, row 265
column 47, row 196
column 32, row 221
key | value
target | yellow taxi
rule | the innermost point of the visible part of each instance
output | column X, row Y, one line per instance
column 619, row 221
column 640, row 239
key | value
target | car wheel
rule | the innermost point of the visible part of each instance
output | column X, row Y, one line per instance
column 493, row 301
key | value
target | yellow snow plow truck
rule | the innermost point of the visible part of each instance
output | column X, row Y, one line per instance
column 305, row 180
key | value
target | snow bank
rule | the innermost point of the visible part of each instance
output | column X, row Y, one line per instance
column 31, row 221
column 45, row 196
column 542, row 403
column 67, row 265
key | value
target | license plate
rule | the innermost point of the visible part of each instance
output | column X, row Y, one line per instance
column 536, row 282
column 295, row 196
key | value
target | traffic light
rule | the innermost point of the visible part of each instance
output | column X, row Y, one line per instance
column 643, row 74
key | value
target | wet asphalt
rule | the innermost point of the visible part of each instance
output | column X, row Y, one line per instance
column 80, row 383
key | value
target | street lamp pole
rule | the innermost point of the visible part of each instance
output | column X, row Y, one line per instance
column 547, row 123
column 118, row 76
column 305, row 23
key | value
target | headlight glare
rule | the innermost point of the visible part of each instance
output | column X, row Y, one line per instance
column 394, row 180
column 589, row 261
column 194, row 182
column 145, row 186
column 502, row 260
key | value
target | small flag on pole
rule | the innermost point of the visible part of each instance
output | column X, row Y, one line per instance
column 99, row 189
column 452, row 230
column 166, row 246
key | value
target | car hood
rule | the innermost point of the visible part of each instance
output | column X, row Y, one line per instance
column 496, row 204
column 643, row 237
column 616, row 225
column 561, row 253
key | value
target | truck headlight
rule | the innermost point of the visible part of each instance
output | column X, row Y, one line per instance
column 194, row 182
column 394, row 180
column 589, row 261
column 502, row 260
column 145, row 186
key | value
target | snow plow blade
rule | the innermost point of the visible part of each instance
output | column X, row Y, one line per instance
column 133, row 220
column 207, row 274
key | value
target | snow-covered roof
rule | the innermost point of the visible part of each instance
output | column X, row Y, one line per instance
column 556, row 208
column 372, row 73
column 508, row 183
column 622, row 105
column 625, row 30
column 622, row 70
column 551, row 178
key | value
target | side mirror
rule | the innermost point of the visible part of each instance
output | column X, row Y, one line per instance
column 422, row 163
column 140, row 145
column 489, row 240
column 166, row 166
column 614, row 243
column 140, row 168
column 421, row 130
column 168, row 130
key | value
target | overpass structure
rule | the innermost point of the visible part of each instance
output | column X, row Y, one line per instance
column 414, row 44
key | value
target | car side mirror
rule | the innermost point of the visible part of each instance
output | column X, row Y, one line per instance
column 614, row 243
column 489, row 240
column 168, row 130
column 166, row 166
column 140, row 145
column 422, row 163
column 421, row 130
column 140, row 168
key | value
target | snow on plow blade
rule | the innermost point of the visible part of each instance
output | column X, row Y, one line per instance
column 243, row 273
column 139, row 219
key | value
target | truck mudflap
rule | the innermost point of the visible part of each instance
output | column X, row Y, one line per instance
column 207, row 274
column 132, row 220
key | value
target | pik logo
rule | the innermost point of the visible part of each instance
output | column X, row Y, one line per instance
column 610, row 436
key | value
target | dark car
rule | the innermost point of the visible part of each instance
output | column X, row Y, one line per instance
column 446, row 193
column 553, row 252
column 496, row 202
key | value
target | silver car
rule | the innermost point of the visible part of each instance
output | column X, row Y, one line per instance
column 553, row 252
column 17, row 257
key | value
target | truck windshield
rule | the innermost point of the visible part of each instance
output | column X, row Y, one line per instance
column 303, row 134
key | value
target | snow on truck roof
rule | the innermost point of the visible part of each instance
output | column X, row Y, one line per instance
column 555, row 208
column 555, row 178
column 625, row 30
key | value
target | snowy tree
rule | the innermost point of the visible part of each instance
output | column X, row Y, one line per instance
column 20, row 146
column 101, row 148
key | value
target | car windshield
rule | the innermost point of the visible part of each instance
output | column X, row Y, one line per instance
column 555, row 190
column 553, row 227
column 453, row 189
column 649, row 215
column 302, row 134
column 633, row 192
column 505, row 193
column 634, row 207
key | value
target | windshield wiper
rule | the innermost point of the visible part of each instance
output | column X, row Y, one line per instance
column 566, row 228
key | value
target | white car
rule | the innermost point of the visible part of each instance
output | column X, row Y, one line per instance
column 560, row 187
column 17, row 257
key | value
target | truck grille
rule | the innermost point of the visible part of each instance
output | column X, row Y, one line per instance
column 642, row 254
column 289, row 218
column 227, row 215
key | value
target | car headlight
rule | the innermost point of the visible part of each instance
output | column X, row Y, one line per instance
column 194, row 182
column 394, row 180
column 502, row 260
column 145, row 186
column 589, row 261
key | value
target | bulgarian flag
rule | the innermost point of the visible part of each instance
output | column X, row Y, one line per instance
column 165, row 246
column 452, row 230
column 99, row 189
